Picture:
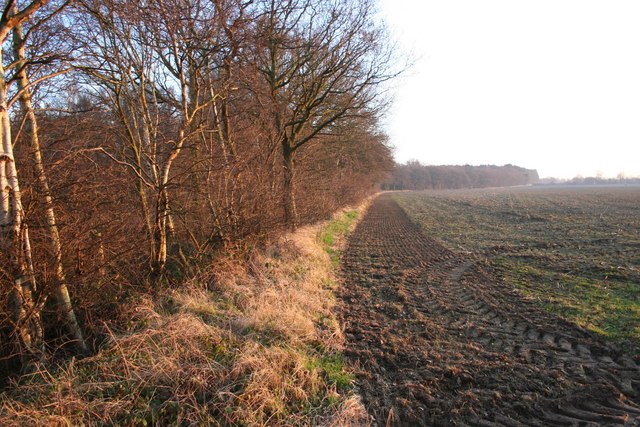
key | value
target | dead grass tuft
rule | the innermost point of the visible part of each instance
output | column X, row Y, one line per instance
column 251, row 342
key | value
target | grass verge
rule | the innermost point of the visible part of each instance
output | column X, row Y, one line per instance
column 251, row 341
column 336, row 232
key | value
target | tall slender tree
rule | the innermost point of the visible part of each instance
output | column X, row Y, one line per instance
column 59, row 290
column 14, row 233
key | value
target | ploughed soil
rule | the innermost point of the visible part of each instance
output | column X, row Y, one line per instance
column 436, row 340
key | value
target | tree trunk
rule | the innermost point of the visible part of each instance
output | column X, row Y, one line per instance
column 162, row 209
column 148, row 221
column 60, row 292
column 14, row 240
column 289, row 201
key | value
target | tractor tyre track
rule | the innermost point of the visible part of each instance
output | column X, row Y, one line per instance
column 435, row 340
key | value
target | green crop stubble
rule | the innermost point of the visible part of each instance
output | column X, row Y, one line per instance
column 576, row 251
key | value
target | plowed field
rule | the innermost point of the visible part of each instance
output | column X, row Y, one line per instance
column 436, row 340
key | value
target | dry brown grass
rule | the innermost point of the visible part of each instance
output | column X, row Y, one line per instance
column 248, row 343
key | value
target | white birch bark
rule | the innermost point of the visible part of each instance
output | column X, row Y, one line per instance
column 14, row 238
column 60, row 291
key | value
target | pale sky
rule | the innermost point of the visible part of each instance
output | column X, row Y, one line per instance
column 548, row 84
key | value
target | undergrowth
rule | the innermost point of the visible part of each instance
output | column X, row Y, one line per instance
column 250, row 341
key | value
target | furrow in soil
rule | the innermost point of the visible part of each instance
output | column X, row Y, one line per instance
column 435, row 340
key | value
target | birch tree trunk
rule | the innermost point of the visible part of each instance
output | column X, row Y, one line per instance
column 60, row 292
column 14, row 239
column 164, row 222
column 162, row 210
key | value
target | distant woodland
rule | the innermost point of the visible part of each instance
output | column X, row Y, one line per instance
column 415, row 176
column 140, row 138
column 621, row 179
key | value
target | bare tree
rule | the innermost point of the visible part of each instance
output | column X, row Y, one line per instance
column 322, row 62
column 14, row 235
column 156, row 69
column 59, row 292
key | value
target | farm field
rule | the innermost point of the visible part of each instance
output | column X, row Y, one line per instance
column 437, row 334
column 574, row 250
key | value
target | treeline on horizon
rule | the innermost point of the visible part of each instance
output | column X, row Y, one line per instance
column 140, row 138
column 415, row 176
column 591, row 180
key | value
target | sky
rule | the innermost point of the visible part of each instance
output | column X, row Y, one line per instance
column 552, row 85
